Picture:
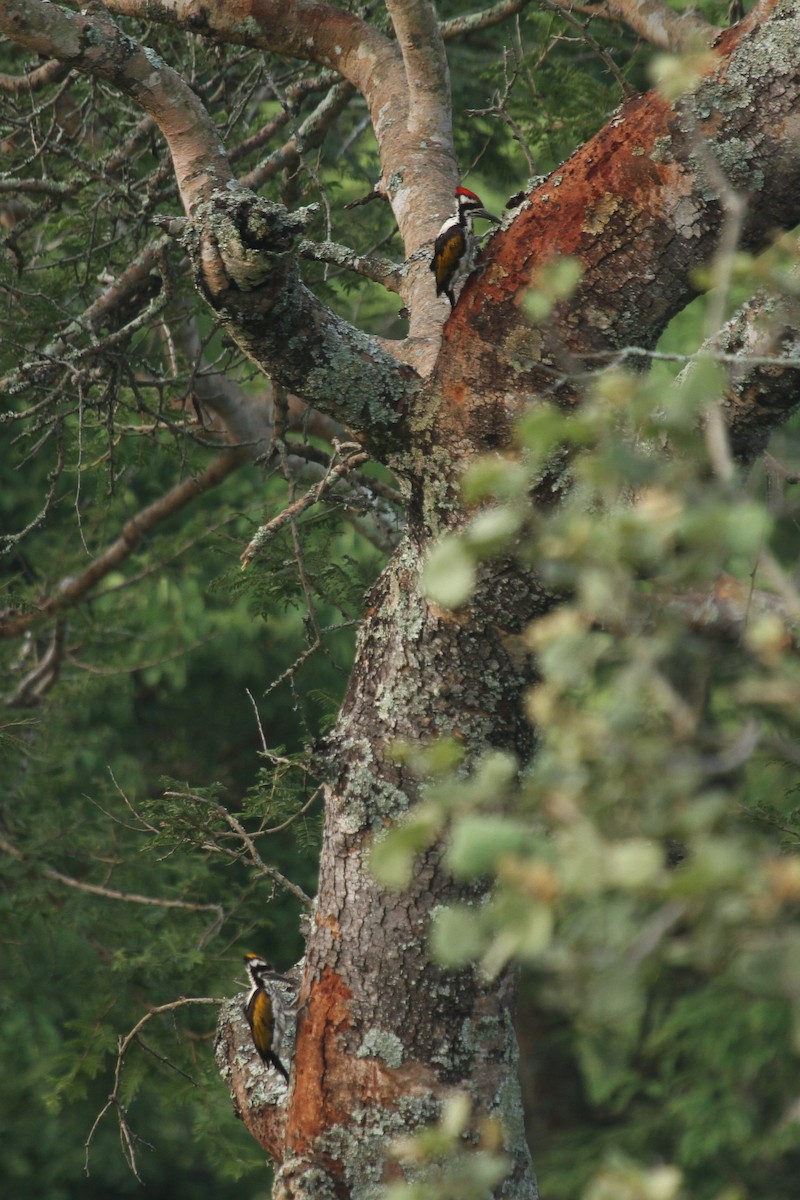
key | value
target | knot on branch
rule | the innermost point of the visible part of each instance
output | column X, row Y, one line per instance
column 239, row 241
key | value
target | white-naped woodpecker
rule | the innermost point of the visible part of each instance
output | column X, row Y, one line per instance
column 266, row 1010
column 455, row 245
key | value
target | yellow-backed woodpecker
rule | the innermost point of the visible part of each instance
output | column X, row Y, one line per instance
column 266, row 1010
column 454, row 248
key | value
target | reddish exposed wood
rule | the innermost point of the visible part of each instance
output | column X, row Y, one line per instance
column 632, row 206
column 319, row 1062
column 329, row 1079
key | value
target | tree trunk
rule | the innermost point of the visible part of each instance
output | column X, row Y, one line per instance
column 384, row 1035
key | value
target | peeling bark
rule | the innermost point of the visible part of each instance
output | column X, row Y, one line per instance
column 641, row 207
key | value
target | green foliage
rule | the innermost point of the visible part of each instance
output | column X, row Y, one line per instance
column 645, row 863
column 131, row 780
column 438, row 1163
column 622, row 1180
column 126, row 785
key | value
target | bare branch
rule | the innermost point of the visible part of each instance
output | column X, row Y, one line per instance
column 457, row 27
column 310, row 135
column 38, row 682
column 313, row 496
column 108, row 893
column 73, row 589
column 379, row 270
column 92, row 43
column 247, row 419
column 324, row 81
column 8, row 541
column 39, row 77
column 42, row 187
column 249, row 851
column 115, row 1101
column 499, row 108
column 565, row 13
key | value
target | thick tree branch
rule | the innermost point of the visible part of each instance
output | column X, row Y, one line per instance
column 427, row 169
column 457, row 27
column 661, row 25
column 318, row 33
column 641, row 201
column 726, row 611
column 240, row 245
column 763, row 389
column 304, row 29
column 244, row 253
column 427, row 74
column 418, row 175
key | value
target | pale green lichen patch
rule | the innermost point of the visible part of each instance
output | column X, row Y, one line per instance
column 733, row 157
column 252, row 30
column 663, row 151
column 382, row 1044
column 372, row 801
column 360, row 1146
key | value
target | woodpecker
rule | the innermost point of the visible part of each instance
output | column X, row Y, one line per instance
column 266, row 1010
column 454, row 249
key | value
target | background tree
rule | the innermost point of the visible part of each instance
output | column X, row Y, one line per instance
column 624, row 859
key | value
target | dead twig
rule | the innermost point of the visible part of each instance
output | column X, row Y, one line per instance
column 312, row 496
column 127, row 1137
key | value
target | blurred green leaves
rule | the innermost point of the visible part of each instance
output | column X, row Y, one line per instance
column 643, row 866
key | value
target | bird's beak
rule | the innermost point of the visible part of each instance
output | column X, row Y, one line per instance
column 487, row 216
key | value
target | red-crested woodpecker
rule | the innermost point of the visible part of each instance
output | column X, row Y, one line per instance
column 455, row 246
column 266, row 1010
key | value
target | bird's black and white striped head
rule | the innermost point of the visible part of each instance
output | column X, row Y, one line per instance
column 470, row 206
column 261, row 971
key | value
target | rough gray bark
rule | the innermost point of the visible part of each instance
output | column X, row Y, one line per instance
column 396, row 1033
